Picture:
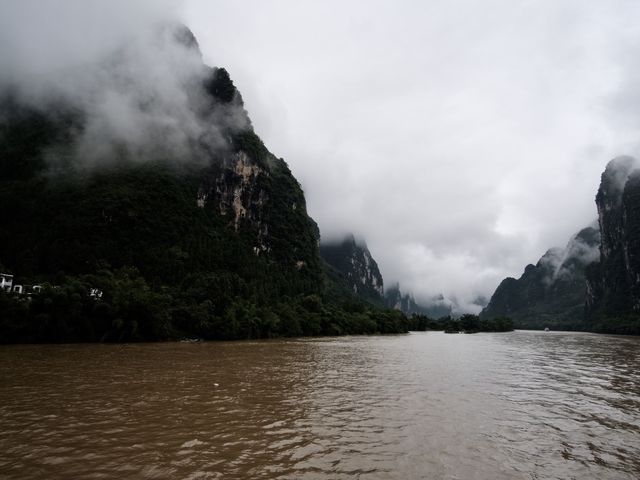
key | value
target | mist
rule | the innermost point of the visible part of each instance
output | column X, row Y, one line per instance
column 461, row 139
column 128, row 72
column 568, row 263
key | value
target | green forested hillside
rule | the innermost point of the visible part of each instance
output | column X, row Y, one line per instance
column 218, row 246
column 551, row 293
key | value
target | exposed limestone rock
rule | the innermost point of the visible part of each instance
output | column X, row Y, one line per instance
column 234, row 187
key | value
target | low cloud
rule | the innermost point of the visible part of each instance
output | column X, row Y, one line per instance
column 566, row 263
column 126, row 73
column 461, row 139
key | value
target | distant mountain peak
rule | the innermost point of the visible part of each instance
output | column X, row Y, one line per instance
column 354, row 261
column 183, row 35
column 437, row 306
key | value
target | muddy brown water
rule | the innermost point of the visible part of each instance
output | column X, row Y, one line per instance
column 521, row 405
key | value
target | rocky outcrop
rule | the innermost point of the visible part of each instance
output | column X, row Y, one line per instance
column 356, row 266
column 233, row 190
column 613, row 284
column 551, row 293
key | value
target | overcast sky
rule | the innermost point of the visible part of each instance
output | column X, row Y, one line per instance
column 461, row 139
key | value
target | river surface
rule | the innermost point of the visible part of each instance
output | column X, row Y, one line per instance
column 521, row 405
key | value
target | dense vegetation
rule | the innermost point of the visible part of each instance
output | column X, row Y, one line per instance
column 168, row 266
column 168, row 269
column 467, row 323
column 613, row 287
column 215, row 307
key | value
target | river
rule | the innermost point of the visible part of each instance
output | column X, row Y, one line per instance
column 520, row 405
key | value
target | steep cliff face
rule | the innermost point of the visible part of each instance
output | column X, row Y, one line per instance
column 631, row 219
column 140, row 176
column 190, row 190
column 551, row 293
column 356, row 267
column 613, row 285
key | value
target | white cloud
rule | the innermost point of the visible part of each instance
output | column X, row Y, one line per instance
column 124, row 67
column 461, row 139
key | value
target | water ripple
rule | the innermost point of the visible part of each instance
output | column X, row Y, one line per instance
column 523, row 405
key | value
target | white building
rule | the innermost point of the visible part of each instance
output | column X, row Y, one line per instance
column 6, row 282
column 27, row 289
column 95, row 293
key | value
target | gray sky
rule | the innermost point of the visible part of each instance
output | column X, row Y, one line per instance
column 460, row 138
